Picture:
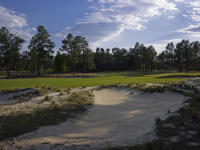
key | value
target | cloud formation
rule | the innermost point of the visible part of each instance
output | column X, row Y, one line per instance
column 192, row 13
column 107, row 22
column 109, row 18
column 15, row 22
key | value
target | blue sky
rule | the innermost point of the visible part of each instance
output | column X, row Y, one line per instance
column 105, row 23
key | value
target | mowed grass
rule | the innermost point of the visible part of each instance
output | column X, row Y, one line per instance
column 105, row 79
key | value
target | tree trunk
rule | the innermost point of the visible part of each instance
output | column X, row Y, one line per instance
column 83, row 63
column 38, row 67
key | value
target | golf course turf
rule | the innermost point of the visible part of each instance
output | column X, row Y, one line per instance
column 104, row 79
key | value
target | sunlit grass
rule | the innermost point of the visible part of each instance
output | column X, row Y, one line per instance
column 108, row 78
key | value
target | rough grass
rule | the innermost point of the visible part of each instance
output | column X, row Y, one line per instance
column 105, row 78
column 14, row 122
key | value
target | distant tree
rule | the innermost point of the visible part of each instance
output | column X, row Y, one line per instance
column 60, row 63
column 195, row 47
column 141, row 58
column 183, row 55
column 109, row 60
column 68, row 46
column 33, row 56
column 135, row 59
column 1, row 61
column 10, row 45
column 124, row 57
column 5, row 48
column 151, row 58
column 25, row 61
column 41, row 46
column 81, row 46
column 89, row 60
column 117, row 54
column 170, row 55
column 76, row 56
column 99, row 59
column 16, row 44
column 161, row 61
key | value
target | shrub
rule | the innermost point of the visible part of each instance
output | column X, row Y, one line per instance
column 47, row 98
column 30, row 95
column 21, row 99
column 67, row 90
column 158, row 121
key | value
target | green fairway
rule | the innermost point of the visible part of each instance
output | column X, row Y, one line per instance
column 107, row 78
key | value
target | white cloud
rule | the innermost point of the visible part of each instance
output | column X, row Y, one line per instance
column 195, row 3
column 161, row 45
column 192, row 10
column 63, row 33
column 105, row 39
column 11, row 19
column 195, row 14
column 128, row 14
column 109, row 18
column 192, row 31
column 179, row 0
column 16, row 23
column 128, row 11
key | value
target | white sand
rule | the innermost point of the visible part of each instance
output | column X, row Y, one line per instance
column 117, row 118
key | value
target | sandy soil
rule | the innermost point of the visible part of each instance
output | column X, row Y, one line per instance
column 33, row 103
column 118, row 118
column 7, row 98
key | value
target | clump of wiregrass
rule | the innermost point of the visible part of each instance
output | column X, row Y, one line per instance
column 17, row 122
column 183, row 85
column 147, row 88
column 108, row 85
column 41, row 91
column 80, row 98
column 153, row 88
column 132, row 92
column 30, row 95
column 136, row 86
column 23, row 97
column 158, row 124
column 67, row 90
column 158, row 121
column 47, row 89
column 58, row 90
column 61, row 94
column 47, row 98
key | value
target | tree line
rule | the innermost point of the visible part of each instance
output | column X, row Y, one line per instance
column 76, row 56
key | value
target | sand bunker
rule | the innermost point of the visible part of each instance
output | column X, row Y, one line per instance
column 118, row 118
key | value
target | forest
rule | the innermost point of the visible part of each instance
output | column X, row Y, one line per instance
column 75, row 56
